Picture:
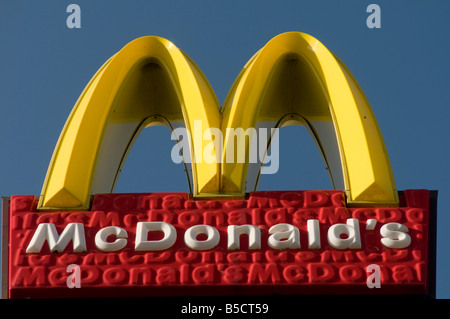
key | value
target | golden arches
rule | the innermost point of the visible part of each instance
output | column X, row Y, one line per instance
column 150, row 79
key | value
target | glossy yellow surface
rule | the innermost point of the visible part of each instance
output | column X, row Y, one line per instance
column 296, row 75
column 294, row 79
column 148, row 80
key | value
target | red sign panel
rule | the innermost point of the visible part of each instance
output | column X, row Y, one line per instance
column 283, row 242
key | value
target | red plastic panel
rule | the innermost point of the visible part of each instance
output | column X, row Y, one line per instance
column 307, row 264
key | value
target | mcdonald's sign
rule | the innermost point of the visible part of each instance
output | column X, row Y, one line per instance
column 224, row 237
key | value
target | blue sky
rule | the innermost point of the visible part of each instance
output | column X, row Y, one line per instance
column 403, row 68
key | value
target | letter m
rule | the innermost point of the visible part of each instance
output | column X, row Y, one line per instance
column 99, row 219
column 27, row 276
column 57, row 243
column 259, row 274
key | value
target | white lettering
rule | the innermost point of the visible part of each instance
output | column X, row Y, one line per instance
column 373, row 280
column 313, row 234
column 74, row 280
column 213, row 150
column 142, row 230
column 374, row 19
column 193, row 309
column 395, row 236
column 74, row 19
column 338, row 232
column 103, row 234
column 180, row 151
column 212, row 240
column 284, row 236
column 47, row 232
column 370, row 224
column 239, row 148
column 253, row 233
column 265, row 152
column 269, row 152
column 206, row 237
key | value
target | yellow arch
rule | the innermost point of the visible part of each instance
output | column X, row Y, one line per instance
column 148, row 80
column 295, row 75
column 293, row 79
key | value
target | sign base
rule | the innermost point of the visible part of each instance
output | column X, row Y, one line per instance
column 271, row 243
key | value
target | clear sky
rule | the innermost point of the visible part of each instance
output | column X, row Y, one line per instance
column 403, row 68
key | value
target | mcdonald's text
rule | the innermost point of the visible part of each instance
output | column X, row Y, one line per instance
column 283, row 240
column 219, row 239
column 282, row 236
